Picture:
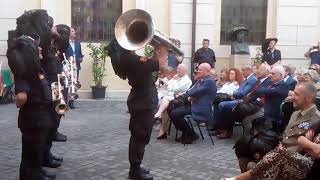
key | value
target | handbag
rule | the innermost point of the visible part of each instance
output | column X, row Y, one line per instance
column 220, row 97
column 179, row 101
column 245, row 108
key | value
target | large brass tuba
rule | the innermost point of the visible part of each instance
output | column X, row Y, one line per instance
column 135, row 29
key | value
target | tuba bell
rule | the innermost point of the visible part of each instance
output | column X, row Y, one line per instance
column 134, row 30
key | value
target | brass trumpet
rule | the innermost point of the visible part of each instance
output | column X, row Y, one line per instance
column 57, row 96
column 71, row 83
column 134, row 30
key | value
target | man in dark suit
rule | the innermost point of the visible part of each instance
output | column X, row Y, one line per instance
column 273, row 95
column 289, row 79
column 201, row 96
column 74, row 50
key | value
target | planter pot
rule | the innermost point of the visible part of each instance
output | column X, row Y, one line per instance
column 98, row 92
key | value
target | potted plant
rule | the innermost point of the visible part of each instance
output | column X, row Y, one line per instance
column 258, row 57
column 99, row 55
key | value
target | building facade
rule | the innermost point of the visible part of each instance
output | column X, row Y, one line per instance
column 295, row 24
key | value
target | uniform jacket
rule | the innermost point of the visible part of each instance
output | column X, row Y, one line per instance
column 299, row 125
column 245, row 87
column 205, row 56
column 204, row 92
column 77, row 52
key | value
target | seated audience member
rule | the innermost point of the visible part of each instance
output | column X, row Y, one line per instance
column 235, row 78
column 313, row 77
column 273, row 95
column 289, row 78
column 255, row 68
column 201, row 96
column 161, row 82
column 181, row 83
column 293, row 71
column 223, row 78
column 299, row 75
column 303, row 75
column 312, row 148
column 166, row 83
column 315, row 67
column 288, row 160
column 224, row 116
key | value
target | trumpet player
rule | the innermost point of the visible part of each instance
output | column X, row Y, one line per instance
column 34, row 101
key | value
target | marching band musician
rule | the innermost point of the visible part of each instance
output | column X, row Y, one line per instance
column 34, row 101
column 52, row 65
column 142, row 100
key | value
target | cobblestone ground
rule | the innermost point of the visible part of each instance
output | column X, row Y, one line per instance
column 97, row 148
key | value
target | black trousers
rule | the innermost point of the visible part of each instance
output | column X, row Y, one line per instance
column 34, row 126
column 52, row 133
column 177, row 118
column 141, row 123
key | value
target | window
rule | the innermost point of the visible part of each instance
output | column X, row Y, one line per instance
column 250, row 13
column 94, row 20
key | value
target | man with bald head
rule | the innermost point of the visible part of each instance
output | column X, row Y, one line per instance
column 201, row 96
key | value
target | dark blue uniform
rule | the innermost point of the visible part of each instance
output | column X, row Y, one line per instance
column 203, row 55
column 142, row 101
column 271, row 57
column 35, row 122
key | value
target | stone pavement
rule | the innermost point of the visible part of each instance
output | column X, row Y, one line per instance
column 98, row 143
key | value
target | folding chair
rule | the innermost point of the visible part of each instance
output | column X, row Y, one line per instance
column 169, row 129
column 188, row 119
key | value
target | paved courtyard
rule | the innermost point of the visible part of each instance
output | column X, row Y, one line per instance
column 97, row 148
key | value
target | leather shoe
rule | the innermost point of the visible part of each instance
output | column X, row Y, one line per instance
column 224, row 135
column 144, row 170
column 195, row 137
column 180, row 139
column 163, row 136
column 52, row 163
column 60, row 137
column 215, row 133
column 58, row 158
column 140, row 174
column 187, row 141
column 47, row 174
column 43, row 177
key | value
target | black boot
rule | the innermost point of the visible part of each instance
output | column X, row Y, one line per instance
column 58, row 158
column 71, row 104
column 47, row 174
column 140, row 174
column 52, row 163
column 59, row 137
